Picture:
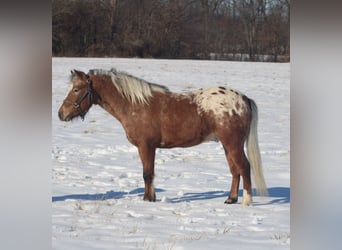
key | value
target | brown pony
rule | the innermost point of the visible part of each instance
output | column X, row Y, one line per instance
column 154, row 117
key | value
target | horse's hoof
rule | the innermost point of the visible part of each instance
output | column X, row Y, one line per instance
column 231, row 200
column 151, row 199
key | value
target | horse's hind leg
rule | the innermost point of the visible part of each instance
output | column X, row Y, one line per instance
column 239, row 166
column 233, row 195
column 147, row 156
column 240, row 159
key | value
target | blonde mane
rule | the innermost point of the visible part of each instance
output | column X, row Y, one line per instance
column 134, row 89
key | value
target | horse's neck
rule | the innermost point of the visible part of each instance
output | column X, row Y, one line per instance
column 113, row 102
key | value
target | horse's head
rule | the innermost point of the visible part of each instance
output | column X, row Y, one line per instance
column 79, row 98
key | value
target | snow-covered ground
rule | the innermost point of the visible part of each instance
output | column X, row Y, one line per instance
column 97, row 183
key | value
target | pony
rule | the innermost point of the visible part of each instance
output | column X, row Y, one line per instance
column 154, row 117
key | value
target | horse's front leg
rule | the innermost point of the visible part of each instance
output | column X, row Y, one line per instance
column 147, row 155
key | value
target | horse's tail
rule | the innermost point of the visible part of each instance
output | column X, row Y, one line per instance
column 253, row 152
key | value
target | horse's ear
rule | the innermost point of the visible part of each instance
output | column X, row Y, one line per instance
column 80, row 74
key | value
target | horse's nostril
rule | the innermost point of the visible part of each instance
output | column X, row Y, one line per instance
column 60, row 115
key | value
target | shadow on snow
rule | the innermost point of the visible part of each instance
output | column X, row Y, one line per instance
column 102, row 196
column 279, row 195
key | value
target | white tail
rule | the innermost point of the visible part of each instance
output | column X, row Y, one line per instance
column 253, row 153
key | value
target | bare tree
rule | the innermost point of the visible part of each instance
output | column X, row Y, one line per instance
column 250, row 17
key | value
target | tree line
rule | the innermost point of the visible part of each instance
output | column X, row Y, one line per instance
column 255, row 30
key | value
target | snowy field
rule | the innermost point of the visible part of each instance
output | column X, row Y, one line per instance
column 97, row 183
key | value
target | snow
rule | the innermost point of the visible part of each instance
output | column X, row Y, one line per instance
column 97, row 183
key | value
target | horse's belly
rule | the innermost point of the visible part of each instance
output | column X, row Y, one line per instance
column 182, row 144
column 189, row 138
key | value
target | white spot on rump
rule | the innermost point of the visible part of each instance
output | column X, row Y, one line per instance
column 220, row 101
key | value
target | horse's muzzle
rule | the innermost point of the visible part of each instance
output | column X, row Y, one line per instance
column 61, row 116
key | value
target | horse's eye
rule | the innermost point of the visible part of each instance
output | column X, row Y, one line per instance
column 75, row 90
